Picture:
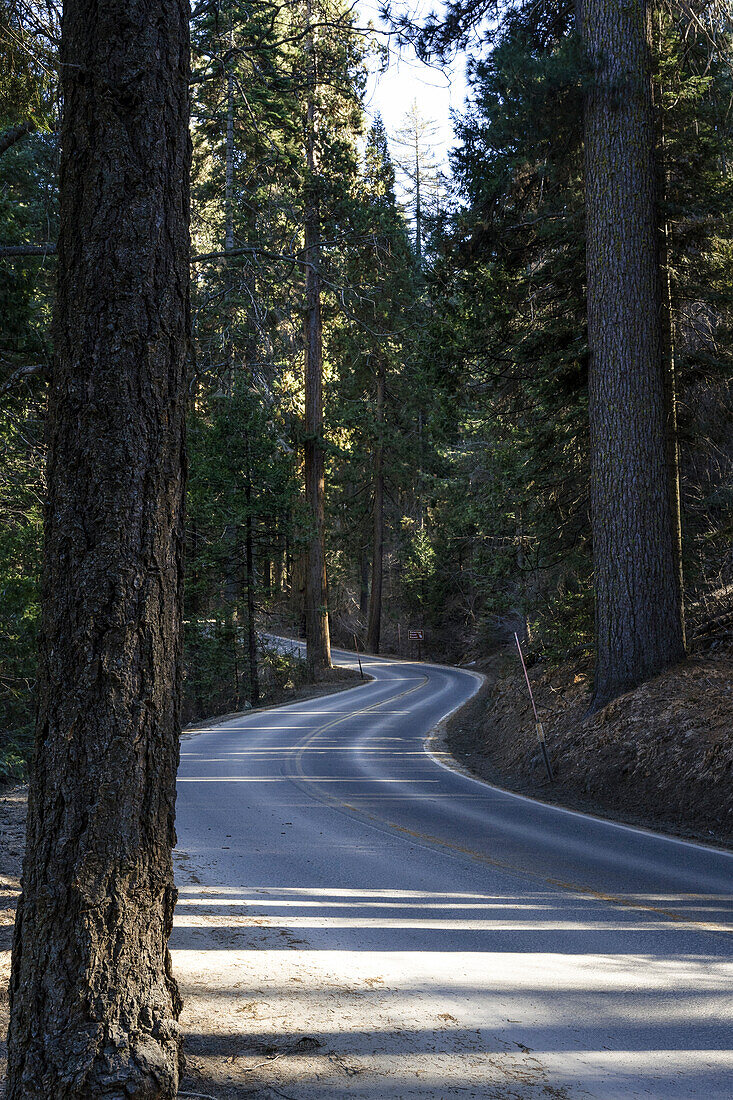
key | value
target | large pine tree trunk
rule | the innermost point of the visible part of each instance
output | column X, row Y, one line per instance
column 279, row 562
column 93, row 1000
column 318, row 643
column 375, row 594
column 364, row 584
column 249, row 573
column 638, row 608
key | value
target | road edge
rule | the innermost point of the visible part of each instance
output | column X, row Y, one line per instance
column 435, row 747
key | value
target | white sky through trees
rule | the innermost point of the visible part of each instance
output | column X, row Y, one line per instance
column 437, row 88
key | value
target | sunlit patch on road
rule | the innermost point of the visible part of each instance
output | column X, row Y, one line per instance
column 431, row 1022
column 356, row 919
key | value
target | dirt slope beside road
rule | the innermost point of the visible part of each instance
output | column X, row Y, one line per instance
column 13, row 804
column 660, row 756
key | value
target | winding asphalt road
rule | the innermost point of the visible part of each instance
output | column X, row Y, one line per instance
column 435, row 937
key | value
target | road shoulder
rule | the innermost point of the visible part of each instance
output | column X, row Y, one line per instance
column 659, row 758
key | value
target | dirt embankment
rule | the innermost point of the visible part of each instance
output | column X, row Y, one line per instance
column 660, row 756
column 12, row 842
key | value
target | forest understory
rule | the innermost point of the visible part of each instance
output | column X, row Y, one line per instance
column 272, row 363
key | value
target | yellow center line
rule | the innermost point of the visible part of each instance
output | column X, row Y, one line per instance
column 326, row 798
column 303, row 747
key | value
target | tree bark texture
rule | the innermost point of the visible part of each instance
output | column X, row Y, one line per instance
column 375, row 595
column 279, row 563
column 93, row 1000
column 638, row 609
column 364, row 584
column 316, row 602
column 318, row 643
column 249, row 572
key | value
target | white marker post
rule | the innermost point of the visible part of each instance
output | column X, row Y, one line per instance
column 538, row 724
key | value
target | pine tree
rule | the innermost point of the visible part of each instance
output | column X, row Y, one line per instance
column 418, row 166
column 507, row 339
column 373, row 392
column 639, row 629
column 93, row 1000
column 318, row 644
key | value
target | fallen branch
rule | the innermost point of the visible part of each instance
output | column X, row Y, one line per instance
column 232, row 253
column 719, row 623
column 15, row 133
column 47, row 249
column 20, row 376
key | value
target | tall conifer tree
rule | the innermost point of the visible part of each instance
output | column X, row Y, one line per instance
column 318, row 643
column 639, row 628
column 93, row 1000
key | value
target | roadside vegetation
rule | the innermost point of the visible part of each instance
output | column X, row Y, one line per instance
column 452, row 338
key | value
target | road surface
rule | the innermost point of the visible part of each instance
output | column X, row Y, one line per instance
column 357, row 918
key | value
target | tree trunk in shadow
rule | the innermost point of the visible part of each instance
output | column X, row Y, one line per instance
column 375, row 595
column 364, row 584
column 638, row 600
column 318, row 644
column 249, row 565
column 93, row 1000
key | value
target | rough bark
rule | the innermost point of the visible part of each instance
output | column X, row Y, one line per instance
column 249, row 567
column 638, row 608
column 318, row 644
column 279, row 563
column 93, row 1001
column 375, row 595
column 364, row 584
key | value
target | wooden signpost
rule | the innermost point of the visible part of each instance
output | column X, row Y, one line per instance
column 538, row 725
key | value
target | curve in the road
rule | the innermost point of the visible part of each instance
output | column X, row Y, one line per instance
column 328, row 822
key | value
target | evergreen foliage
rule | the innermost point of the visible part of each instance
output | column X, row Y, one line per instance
column 455, row 364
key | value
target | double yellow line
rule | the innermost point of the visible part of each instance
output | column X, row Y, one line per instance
column 305, row 745
column 313, row 787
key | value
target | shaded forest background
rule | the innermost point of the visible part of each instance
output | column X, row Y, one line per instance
column 454, row 341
